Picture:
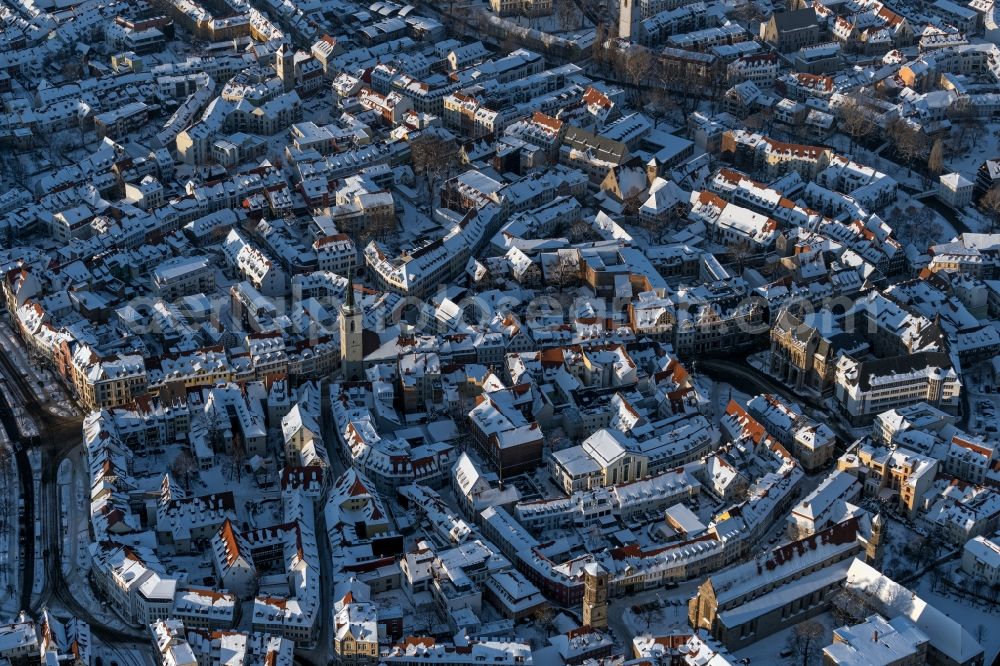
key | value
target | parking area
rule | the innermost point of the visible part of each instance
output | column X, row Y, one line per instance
column 983, row 388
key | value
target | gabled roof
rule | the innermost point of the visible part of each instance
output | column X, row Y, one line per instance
column 796, row 20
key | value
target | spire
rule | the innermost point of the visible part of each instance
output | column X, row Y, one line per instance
column 350, row 290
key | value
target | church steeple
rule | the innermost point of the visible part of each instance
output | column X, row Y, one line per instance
column 349, row 304
column 351, row 335
column 285, row 66
column 873, row 549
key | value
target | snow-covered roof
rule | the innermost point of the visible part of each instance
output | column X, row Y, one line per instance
column 946, row 634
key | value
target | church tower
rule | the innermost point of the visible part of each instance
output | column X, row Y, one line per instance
column 285, row 64
column 351, row 346
column 628, row 18
column 873, row 549
column 595, row 596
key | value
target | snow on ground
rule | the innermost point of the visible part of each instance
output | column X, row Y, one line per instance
column 255, row 507
column 79, row 587
column 416, row 224
column 980, row 620
column 916, row 223
column 896, row 562
column 842, row 144
column 65, row 478
column 38, row 577
column 979, row 146
column 975, row 220
column 124, row 655
column 766, row 650
column 985, row 406
column 74, row 517
column 662, row 616
column 318, row 109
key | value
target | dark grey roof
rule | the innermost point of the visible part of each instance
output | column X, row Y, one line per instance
column 797, row 20
column 605, row 149
column 900, row 365
column 801, row 331
column 848, row 342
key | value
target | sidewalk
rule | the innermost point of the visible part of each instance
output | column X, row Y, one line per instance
column 73, row 522
column 43, row 383
column 10, row 554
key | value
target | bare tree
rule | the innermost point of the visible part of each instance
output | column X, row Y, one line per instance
column 434, row 157
column 13, row 167
column 806, row 642
column 659, row 103
column 632, row 202
column 653, row 225
column 72, row 70
column 936, row 579
column 855, row 121
column 850, row 606
column 990, row 203
column 909, row 142
column 238, row 452
column 741, row 252
column 580, row 232
column 544, row 616
column 668, row 74
column 927, row 548
column 748, row 13
column 637, row 63
column 183, row 467
column 962, row 116
column 935, row 161
column 918, row 225
column 599, row 51
column 754, row 122
column 567, row 15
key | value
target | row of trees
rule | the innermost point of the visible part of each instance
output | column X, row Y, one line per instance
column 658, row 84
column 909, row 143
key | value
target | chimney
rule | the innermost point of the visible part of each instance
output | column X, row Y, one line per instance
column 875, row 636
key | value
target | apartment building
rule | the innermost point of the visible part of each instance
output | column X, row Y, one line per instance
column 265, row 275
column 897, row 473
column 183, row 276
column 981, row 559
column 336, row 254
column 107, row 382
column 529, row 8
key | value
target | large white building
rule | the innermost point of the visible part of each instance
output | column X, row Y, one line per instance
column 955, row 190
column 864, row 389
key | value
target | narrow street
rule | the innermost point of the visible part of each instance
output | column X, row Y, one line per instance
column 320, row 655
